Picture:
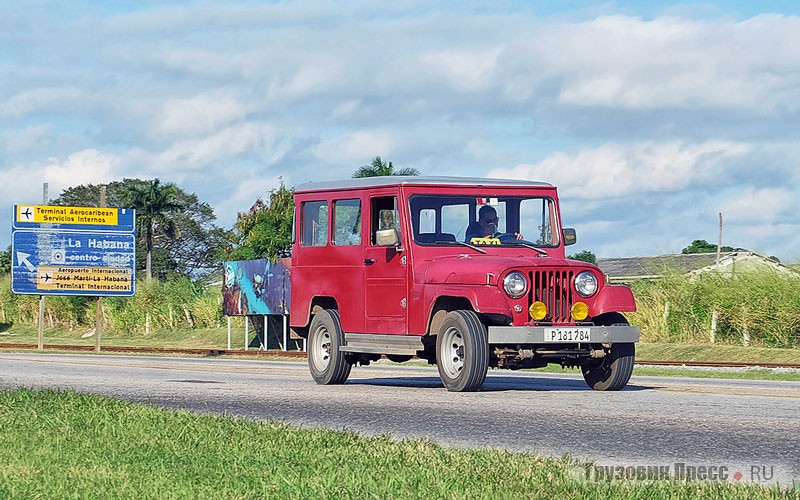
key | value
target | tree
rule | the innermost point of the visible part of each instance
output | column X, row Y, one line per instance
column 191, row 248
column 702, row 246
column 585, row 256
column 155, row 203
column 5, row 261
column 265, row 231
column 379, row 168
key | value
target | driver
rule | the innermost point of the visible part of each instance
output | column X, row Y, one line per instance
column 486, row 227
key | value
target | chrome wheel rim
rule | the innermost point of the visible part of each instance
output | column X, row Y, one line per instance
column 321, row 349
column 452, row 355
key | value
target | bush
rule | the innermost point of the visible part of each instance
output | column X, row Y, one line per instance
column 762, row 305
column 175, row 304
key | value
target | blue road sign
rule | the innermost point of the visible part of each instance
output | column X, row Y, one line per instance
column 47, row 262
column 74, row 218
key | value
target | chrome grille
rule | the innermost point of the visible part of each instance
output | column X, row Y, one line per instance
column 554, row 288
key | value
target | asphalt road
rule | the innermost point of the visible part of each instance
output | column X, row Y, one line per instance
column 747, row 426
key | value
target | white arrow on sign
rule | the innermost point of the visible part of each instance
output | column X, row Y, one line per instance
column 22, row 258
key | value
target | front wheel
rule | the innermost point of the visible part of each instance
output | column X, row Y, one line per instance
column 327, row 364
column 612, row 372
column 462, row 351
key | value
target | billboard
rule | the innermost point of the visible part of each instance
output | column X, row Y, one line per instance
column 253, row 287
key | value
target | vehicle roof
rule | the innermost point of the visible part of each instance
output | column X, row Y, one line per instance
column 415, row 180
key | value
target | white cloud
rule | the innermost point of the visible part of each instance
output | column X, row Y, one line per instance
column 360, row 146
column 462, row 69
column 23, row 183
column 243, row 192
column 16, row 141
column 36, row 100
column 760, row 206
column 226, row 144
column 615, row 170
column 630, row 63
column 201, row 113
column 82, row 167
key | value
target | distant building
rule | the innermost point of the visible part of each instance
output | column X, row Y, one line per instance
column 627, row 269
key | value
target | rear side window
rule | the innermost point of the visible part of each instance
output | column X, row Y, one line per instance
column 315, row 223
column 347, row 222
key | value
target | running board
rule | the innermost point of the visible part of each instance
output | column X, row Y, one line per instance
column 382, row 344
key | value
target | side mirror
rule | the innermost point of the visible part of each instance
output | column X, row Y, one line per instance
column 386, row 237
column 570, row 237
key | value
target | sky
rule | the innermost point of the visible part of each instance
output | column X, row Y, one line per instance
column 651, row 117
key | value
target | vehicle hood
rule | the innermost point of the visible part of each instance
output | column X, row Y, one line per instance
column 473, row 269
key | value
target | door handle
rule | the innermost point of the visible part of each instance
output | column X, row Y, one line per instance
column 369, row 261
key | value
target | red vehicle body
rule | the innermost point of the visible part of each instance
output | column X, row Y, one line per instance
column 386, row 266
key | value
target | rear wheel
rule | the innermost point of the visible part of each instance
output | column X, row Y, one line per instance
column 612, row 372
column 326, row 363
column 462, row 351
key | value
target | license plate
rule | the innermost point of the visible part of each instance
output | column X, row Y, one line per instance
column 566, row 335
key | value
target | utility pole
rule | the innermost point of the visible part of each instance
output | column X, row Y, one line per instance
column 719, row 239
column 98, row 324
column 41, row 297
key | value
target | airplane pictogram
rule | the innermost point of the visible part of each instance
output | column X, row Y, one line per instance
column 27, row 213
column 46, row 277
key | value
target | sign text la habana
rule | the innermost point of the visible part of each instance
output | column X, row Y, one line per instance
column 73, row 251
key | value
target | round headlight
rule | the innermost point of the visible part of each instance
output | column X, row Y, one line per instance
column 515, row 285
column 585, row 284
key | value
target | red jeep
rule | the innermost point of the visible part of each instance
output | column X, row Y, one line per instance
column 466, row 273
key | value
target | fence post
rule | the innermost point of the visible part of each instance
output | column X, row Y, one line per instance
column 713, row 326
column 229, row 333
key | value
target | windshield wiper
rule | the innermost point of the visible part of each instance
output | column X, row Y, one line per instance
column 526, row 245
column 462, row 243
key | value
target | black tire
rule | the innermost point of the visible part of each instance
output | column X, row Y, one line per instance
column 326, row 363
column 462, row 351
column 612, row 372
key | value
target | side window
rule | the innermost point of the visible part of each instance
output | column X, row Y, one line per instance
column 315, row 223
column 384, row 217
column 347, row 222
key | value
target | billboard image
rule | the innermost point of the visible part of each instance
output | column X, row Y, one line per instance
column 253, row 287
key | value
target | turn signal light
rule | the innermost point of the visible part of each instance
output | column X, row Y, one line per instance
column 580, row 311
column 538, row 311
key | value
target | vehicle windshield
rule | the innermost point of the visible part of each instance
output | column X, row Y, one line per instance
column 487, row 220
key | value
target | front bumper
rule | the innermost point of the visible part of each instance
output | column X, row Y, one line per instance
column 535, row 334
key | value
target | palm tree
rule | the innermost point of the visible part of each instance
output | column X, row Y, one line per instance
column 379, row 168
column 154, row 203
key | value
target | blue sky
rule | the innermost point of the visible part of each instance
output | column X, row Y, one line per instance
column 651, row 117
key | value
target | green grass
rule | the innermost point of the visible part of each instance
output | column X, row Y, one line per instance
column 217, row 338
column 68, row 445
column 715, row 352
column 757, row 303
column 648, row 371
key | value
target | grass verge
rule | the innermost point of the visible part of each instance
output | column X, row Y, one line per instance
column 65, row 445
column 217, row 338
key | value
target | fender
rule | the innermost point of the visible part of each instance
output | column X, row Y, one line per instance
column 488, row 300
column 613, row 298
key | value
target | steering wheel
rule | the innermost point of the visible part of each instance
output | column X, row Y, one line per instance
column 506, row 237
